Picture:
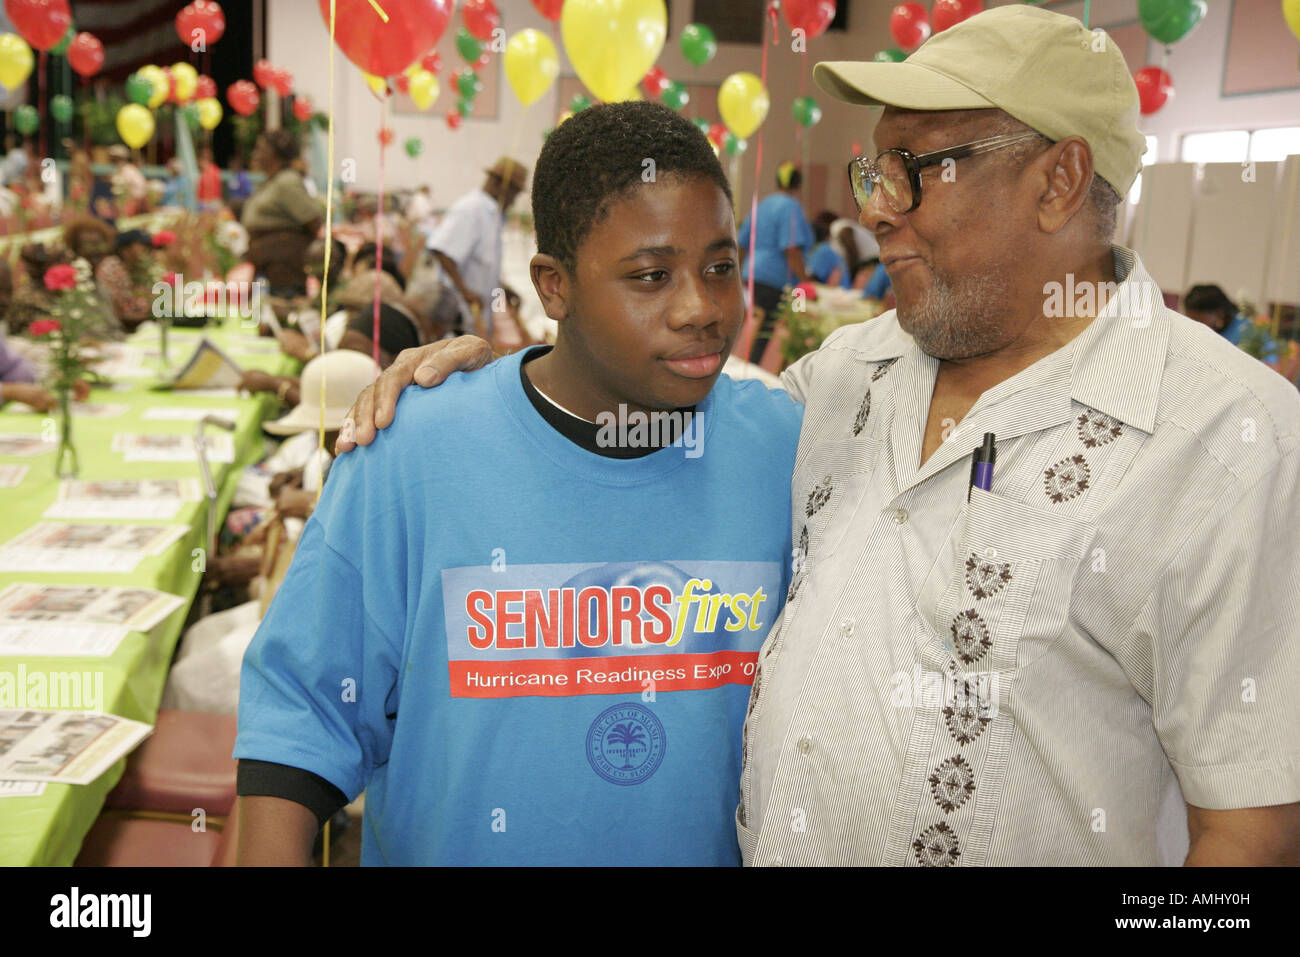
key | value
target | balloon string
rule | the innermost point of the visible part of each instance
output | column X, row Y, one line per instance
column 40, row 85
column 325, row 277
column 803, row 86
column 379, row 225
column 751, row 332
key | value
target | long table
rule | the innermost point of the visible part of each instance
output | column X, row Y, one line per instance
column 49, row 829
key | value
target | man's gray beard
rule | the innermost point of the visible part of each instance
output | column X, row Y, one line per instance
column 957, row 319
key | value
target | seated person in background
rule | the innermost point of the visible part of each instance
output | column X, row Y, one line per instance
column 825, row 263
column 393, row 584
column 872, row 279
column 30, row 300
column 94, row 240
column 127, row 278
column 205, row 676
column 366, row 259
column 299, row 335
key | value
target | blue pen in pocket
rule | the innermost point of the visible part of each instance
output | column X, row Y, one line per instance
column 981, row 466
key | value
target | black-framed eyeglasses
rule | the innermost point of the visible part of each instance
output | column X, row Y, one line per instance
column 898, row 171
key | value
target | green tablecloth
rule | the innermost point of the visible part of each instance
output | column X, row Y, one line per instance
column 49, row 829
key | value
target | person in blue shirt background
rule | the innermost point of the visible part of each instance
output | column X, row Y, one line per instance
column 782, row 238
column 825, row 264
column 1210, row 305
column 553, row 666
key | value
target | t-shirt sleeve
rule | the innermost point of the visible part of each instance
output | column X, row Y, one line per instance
column 797, row 231
column 1223, row 624
column 318, row 689
column 456, row 235
column 293, row 198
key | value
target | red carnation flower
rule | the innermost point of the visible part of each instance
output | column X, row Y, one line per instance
column 60, row 277
column 43, row 327
column 169, row 278
column 808, row 289
column 164, row 237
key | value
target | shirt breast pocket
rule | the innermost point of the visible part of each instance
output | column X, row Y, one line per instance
column 1000, row 594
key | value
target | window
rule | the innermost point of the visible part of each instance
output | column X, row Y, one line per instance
column 1270, row 146
column 1148, row 158
column 1228, row 146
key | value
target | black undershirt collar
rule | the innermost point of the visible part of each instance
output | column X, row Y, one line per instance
column 579, row 431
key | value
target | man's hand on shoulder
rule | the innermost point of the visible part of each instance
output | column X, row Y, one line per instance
column 426, row 366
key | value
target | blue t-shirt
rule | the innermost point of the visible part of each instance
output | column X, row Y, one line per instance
column 824, row 260
column 781, row 225
column 878, row 284
column 524, row 652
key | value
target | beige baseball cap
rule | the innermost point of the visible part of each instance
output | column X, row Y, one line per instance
column 1047, row 70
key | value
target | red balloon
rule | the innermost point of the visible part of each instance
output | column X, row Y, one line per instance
column 243, row 97
column 201, row 20
column 302, row 108
column 384, row 49
column 655, row 82
column 282, row 80
column 718, row 133
column 550, row 9
column 810, row 16
column 453, row 119
column 480, row 18
column 386, row 135
column 909, row 26
column 481, row 62
column 431, row 61
column 948, row 12
column 1155, row 88
column 403, row 83
column 205, row 88
column 263, row 73
column 42, row 23
column 86, row 54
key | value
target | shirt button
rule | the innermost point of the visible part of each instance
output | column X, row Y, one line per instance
column 847, row 627
column 805, row 744
column 778, row 861
column 900, row 516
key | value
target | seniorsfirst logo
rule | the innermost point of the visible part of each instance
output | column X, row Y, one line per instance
column 572, row 629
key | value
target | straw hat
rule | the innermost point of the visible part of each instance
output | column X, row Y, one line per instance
column 345, row 374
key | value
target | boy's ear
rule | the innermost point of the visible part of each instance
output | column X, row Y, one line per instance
column 552, row 282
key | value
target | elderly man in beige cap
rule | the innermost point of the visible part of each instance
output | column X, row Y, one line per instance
column 1046, row 590
column 467, row 244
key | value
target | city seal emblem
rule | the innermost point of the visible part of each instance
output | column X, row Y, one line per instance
column 626, row 744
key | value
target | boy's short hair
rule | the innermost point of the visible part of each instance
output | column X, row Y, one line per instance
column 599, row 154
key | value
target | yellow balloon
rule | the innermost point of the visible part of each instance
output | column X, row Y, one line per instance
column 612, row 43
column 632, row 94
column 187, row 81
column 531, row 64
column 566, row 115
column 378, row 85
column 1291, row 11
column 743, row 103
column 162, row 87
column 15, row 60
column 134, row 125
column 209, row 113
column 424, row 88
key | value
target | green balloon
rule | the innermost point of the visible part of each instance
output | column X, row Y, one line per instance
column 465, row 105
column 702, row 125
column 61, row 48
column 468, row 84
column 698, row 44
column 138, row 89
column 890, row 55
column 414, row 146
column 468, row 46
column 674, row 95
column 1170, row 20
column 26, row 119
column 579, row 103
column 191, row 114
column 806, row 111
column 733, row 144
column 61, row 107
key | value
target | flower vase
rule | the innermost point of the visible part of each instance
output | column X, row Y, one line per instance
column 65, row 463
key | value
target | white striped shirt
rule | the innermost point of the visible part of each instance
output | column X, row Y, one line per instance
column 1045, row 675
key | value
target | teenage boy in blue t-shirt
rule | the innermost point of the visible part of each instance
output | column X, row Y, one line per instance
column 525, row 619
